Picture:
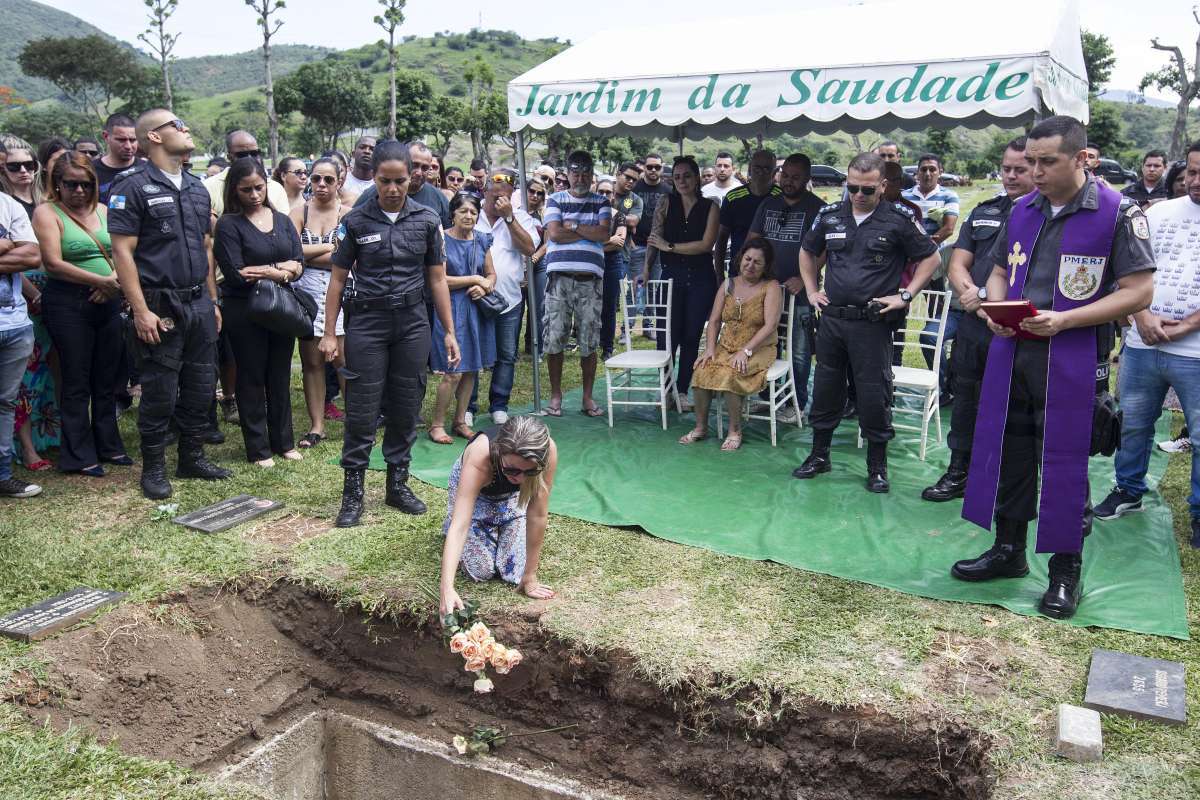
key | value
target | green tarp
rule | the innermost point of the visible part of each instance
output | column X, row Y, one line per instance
column 747, row 504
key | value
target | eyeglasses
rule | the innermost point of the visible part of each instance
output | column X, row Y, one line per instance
column 455, row 179
column 654, row 166
column 88, row 153
column 322, row 180
column 299, row 173
column 561, row 182
column 536, row 193
column 513, row 472
column 867, row 191
column 17, row 166
column 500, row 177
column 247, row 154
column 177, row 124
column 76, row 186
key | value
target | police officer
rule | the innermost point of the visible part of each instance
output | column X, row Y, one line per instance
column 393, row 247
column 1016, row 428
column 866, row 243
column 968, row 276
column 158, row 215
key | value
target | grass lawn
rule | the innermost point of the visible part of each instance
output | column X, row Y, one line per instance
column 719, row 624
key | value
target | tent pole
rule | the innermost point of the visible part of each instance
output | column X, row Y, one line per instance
column 679, row 135
column 530, row 279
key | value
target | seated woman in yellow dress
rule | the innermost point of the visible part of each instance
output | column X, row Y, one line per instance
column 746, row 315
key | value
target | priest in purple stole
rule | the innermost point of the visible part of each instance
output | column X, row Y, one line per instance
column 1080, row 253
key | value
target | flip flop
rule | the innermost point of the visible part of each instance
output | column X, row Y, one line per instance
column 594, row 411
column 554, row 411
column 310, row 439
column 443, row 439
column 41, row 465
column 732, row 442
column 693, row 436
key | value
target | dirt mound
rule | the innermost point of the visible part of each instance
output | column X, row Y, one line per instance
column 199, row 677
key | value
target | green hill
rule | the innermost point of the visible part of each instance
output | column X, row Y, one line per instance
column 212, row 75
column 25, row 21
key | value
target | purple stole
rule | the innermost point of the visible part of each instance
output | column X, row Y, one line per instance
column 1070, row 382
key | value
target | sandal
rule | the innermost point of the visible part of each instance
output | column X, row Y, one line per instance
column 693, row 436
column 310, row 439
column 554, row 410
column 442, row 438
column 41, row 465
column 594, row 411
column 732, row 442
column 462, row 429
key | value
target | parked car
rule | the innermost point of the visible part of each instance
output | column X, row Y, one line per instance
column 950, row 179
column 823, row 175
column 1113, row 172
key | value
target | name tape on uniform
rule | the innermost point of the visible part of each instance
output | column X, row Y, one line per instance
column 154, row 201
column 374, row 237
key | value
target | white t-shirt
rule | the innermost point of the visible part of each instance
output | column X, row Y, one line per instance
column 175, row 178
column 859, row 219
column 716, row 193
column 506, row 258
column 1175, row 236
column 392, row 215
column 356, row 185
column 14, row 225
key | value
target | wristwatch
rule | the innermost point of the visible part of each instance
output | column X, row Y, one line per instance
column 906, row 295
column 982, row 293
column 747, row 351
column 509, row 219
column 572, row 225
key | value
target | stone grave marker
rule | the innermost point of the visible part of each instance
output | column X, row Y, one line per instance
column 227, row 513
column 49, row 616
column 1144, row 688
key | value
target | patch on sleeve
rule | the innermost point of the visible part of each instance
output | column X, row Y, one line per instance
column 830, row 207
column 1141, row 227
column 903, row 209
column 341, row 231
column 117, row 202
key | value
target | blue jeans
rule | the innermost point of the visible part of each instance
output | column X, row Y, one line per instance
column 929, row 337
column 1144, row 378
column 637, row 262
column 508, row 339
column 15, row 347
column 615, row 268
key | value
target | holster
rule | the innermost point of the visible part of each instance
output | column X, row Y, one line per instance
column 1106, row 425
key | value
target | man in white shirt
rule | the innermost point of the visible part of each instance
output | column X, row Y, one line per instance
column 514, row 238
column 724, row 180
column 242, row 144
column 18, row 252
column 361, row 174
column 1163, row 350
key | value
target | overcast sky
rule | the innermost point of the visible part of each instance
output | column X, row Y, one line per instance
column 227, row 26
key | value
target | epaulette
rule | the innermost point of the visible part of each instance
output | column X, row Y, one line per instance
column 905, row 210
column 991, row 200
column 737, row 192
column 1129, row 205
column 830, row 207
column 131, row 171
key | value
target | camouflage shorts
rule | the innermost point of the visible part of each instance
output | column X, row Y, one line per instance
column 572, row 303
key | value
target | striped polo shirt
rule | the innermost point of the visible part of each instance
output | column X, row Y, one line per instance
column 580, row 256
column 940, row 197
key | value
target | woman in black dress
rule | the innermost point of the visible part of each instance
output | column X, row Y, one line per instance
column 255, row 242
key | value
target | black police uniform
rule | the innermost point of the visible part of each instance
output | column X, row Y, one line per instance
column 976, row 236
column 1138, row 193
column 178, row 375
column 1017, row 497
column 864, row 261
column 387, row 340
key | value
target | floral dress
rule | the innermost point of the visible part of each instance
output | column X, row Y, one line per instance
column 495, row 544
column 36, row 401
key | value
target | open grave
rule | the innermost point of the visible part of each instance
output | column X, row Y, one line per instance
column 276, row 687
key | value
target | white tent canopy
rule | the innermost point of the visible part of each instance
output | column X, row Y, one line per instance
column 881, row 66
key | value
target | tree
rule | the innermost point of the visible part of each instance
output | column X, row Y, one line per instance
column 1098, row 60
column 390, row 20
column 1104, row 128
column 265, row 9
column 480, row 78
column 448, row 116
column 39, row 123
column 90, row 70
column 334, row 95
column 407, row 111
column 1174, row 77
column 162, row 42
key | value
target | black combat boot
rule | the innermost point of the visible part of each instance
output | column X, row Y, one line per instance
column 877, row 480
column 352, row 499
column 155, row 485
column 1005, row 558
column 399, row 495
column 193, row 464
column 954, row 483
column 817, row 461
column 1062, row 598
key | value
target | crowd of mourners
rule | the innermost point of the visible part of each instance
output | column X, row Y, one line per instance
column 125, row 274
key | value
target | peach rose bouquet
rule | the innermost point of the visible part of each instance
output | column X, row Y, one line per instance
column 480, row 650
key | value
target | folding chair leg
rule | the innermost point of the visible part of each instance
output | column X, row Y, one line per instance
column 720, row 419
column 774, row 401
column 662, row 397
column 609, row 394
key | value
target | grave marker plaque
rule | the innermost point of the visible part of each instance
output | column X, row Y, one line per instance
column 49, row 616
column 227, row 513
column 1133, row 686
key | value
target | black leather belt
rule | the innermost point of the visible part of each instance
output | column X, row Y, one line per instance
column 578, row 276
column 846, row 312
column 190, row 293
column 385, row 303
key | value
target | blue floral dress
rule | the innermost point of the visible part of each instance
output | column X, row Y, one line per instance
column 476, row 335
column 36, row 399
column 495, row 544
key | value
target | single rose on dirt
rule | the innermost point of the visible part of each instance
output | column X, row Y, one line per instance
column 514, row 658
column 460, row 744
column 483, row 686
column 458, row 642
column 475, row 665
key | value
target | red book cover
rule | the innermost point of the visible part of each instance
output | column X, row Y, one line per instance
column 1009, row 313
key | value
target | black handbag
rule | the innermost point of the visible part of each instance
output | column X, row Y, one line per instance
column 280, row 308
column 491, row 305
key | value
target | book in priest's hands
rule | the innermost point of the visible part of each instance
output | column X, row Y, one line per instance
column 1009, row 313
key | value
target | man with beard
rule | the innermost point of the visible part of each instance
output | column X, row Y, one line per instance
column 121, row 141
column 361, row 174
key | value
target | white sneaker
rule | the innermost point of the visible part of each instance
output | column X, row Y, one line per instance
column 499, row 417
column 1181, row 445
column 469, row 418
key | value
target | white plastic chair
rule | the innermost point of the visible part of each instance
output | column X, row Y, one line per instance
column 913, row 383
column 623, row 369
column 781, row 380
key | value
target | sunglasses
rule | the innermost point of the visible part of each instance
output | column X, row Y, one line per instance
column 321, row 180
column 455, row 179
column 88, row 153
column 500, row 177
column 76, row 186
column 246, row 153
column 17, row 166
column 177, row 124
column 867, row 191
column 536, row 193
column 654, row 166
column 299, row 173
column 513, row 472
